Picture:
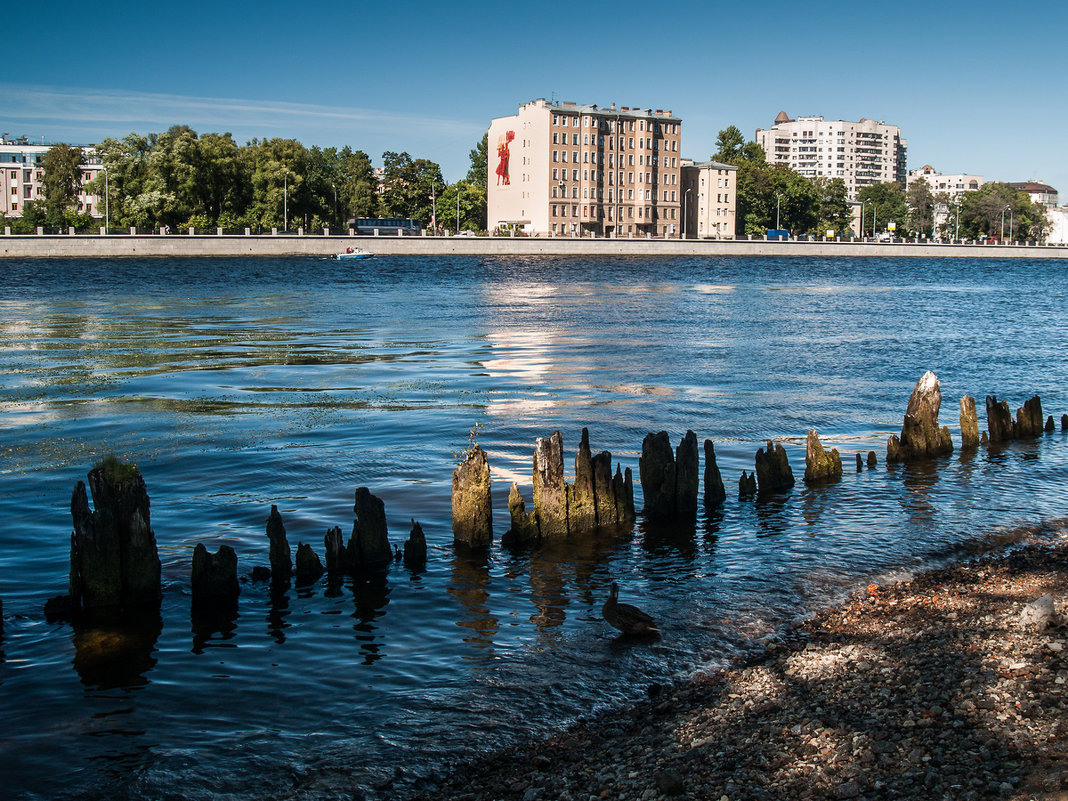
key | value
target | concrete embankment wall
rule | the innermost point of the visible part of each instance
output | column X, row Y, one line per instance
column 118, row 245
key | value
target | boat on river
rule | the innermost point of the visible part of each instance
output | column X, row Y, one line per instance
column 353, row 253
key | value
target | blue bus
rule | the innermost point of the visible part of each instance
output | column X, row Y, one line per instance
column 400, row 226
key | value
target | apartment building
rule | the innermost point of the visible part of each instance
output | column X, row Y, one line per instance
column 564, row 169
column 22, row 177
column 1043, row 194
column 709, row 199
column 860, row 153
column 952, row 185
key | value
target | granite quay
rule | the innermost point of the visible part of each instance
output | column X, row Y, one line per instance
column 306, row 244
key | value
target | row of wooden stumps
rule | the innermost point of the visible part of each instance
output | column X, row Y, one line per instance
column 114, row 564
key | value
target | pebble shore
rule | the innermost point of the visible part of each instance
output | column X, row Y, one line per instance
column 951, row 685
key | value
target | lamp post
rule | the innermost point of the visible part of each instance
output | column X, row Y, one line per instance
column 1011, row 211
column 1003, row 223
column 334, row 187
column 285, row 202
column 956, row 231
column 862, row 221
column 433, row 206
column 872, row 202
column 778, row 203
column 686, row 211
column 457, row 207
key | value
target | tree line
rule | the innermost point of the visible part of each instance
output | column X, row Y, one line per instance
column 775, row 196
column 181, row 179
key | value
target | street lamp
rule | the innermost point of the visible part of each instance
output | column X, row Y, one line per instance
column 686, row 210
column 433, row 207
column 334, row 187
column 869, row 200
column 1003, row 223
column 778, row 202
column 956, row 231
column 1011, row 211
column 457, row 207
column 285, row 202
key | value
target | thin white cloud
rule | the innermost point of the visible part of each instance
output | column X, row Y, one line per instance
column 85, row 107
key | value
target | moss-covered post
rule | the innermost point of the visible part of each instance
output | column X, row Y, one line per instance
column 472, row 506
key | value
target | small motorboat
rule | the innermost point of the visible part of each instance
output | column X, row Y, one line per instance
column 353, row 253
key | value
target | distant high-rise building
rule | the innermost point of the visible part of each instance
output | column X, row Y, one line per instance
column 860, row 153
column 562, row 169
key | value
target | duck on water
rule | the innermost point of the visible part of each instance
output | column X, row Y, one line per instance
column 625, row 617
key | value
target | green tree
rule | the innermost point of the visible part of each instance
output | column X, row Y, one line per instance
column 478, row 172
column 408, row 186
column 883, row 203
column 833, row 210
column 775, row 194
column 62, row 180
column 475, row 188
column 921, row 209
column 996, row 206
column 358, row 187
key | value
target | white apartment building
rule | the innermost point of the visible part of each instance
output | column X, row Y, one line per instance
column 563, row 169
column 860, row 153
column 952, row 185
column 22, row 177
column 1043, row 194
column 709, row 200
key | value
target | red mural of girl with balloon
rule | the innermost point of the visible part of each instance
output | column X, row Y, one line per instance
column 503, row 155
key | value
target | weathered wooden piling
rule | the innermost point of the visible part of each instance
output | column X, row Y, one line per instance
column 715, row 492
column 773, row 473
column 581, row 496
column 873, row 460
column 213, row 580
column 114, row 563
column 669, row 479
column 687, row 477
column 1050, row 426
column 820, row 465
column 921, row 437
column 998, row 420
column 1029, row 419
column 472, row 505
column 1064, row 422
column 337, row 556
column 369, row 545
column 415, row 548
column 656, row 470
column 747, row 485
column 860, row 463
column 550, row 489
column 604, row 492
column 623, row 491
column 280, row 554
column 524, row 525
column 969, row 424
column 309, row 568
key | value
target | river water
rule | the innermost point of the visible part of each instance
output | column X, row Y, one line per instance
column 240, row 384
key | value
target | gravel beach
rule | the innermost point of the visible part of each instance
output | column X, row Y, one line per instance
column 950, row 685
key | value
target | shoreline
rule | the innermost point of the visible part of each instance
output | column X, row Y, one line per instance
column 936, row 686
column 275, row 245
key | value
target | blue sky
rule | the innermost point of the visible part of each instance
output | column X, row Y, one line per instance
column 976, row 87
